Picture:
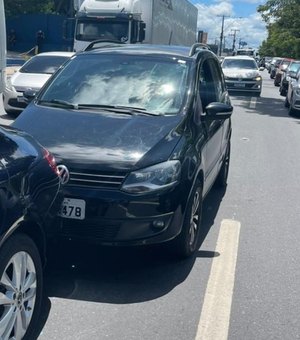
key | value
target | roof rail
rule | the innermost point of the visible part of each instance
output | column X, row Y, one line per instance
column 198, row 46
column 103, row 43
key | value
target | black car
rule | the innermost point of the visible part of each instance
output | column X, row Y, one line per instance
column 29, row 187
column 145, row 132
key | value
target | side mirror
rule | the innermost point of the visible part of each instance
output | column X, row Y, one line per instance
column 292, row 74
column 216, row 110
column 29, row 95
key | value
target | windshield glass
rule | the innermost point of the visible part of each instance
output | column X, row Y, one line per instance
column 152, row 84
column 239, row 63
column 100, row 29
column 43, row 64
column 294, row 67
column 245, row 52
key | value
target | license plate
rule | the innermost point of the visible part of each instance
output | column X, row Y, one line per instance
column 21, row 99
column 73, row 208
column 239, row 84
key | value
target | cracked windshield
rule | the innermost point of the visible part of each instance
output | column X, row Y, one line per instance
column 156, row 86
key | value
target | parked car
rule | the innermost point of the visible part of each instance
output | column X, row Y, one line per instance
column 265, row 62
column 280, row 70
column 13, row 64
column 292, row 68
column 292, row 99
column 273, row 67
column 145, row 132
column 29, row 200
column 32, row 75
column 242, row 74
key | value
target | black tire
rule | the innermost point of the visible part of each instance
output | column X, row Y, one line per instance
column 221, row 181
column 286, row 102
column 187, row 242
column 29, row 297
column 282, row 92
column 292, row 111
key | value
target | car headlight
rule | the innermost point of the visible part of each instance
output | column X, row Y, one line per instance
column 257, row 78
column 297, row 91
column 156, row 177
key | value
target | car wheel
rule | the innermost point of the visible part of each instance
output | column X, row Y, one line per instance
column 286, row 102
column 20, row 287
column 282, row 92
column 221, row 181
column 187, row 242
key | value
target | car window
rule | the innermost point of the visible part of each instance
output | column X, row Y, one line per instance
column 43, row 64
column 294, row 67
column 239, row 63
column 154, row 84
column 207, row 85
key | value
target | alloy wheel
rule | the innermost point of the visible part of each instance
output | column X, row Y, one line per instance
column 18, row 286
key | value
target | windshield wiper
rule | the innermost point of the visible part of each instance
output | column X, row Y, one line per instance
column 59, row 103
column 119, row 109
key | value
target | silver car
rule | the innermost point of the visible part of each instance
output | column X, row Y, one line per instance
column 32, row 75
column 242, row 74
column 292, row 99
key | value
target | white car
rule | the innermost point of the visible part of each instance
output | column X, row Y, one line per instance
column 242, row 74
column 32, row 75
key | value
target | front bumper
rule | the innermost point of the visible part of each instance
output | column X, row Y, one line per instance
column 242, row 85
column 113, row 217
column 13, row 101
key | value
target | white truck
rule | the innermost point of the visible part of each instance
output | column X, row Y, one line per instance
column 171, row 22
column 2, row 47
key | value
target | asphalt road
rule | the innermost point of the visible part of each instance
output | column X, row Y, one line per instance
column 243, row 282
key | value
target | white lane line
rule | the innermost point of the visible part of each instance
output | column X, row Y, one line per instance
column 215, row 315
column 253, row 102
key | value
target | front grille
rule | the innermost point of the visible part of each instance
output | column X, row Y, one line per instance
column 108, row 180
column 90, row 230
column 15, row 103
column 239, row 79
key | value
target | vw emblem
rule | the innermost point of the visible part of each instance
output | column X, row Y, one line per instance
column 63, row 173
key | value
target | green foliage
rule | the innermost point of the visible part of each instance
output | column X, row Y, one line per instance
column 18, row 7
column 283, row 25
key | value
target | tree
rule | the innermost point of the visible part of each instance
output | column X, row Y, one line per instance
column 283, row 25
column 18, row 7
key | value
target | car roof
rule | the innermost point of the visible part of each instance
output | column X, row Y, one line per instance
column 246, row 57
column 148, row 49
column 56, row 53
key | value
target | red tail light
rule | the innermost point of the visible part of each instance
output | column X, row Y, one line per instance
column 51, row 161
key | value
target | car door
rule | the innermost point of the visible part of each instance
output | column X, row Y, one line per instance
column 211, row 90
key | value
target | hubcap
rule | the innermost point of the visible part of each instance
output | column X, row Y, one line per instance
column 194, row 222
column 17, row 296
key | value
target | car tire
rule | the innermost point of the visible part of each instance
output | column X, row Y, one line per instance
column 187, row 242
column 292, row 111
column 21, row 280
column 282, row 92
column 286, row 102
column 221, row 181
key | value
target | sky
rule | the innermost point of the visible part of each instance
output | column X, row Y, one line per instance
column 241, row 17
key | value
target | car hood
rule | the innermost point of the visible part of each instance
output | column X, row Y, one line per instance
column 23, row 81
column 104, row 139
column 240, row 73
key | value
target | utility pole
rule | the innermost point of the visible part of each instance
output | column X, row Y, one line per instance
column 234, row 38
column 221, row 35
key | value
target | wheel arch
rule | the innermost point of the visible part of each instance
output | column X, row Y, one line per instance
column 31, row 229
